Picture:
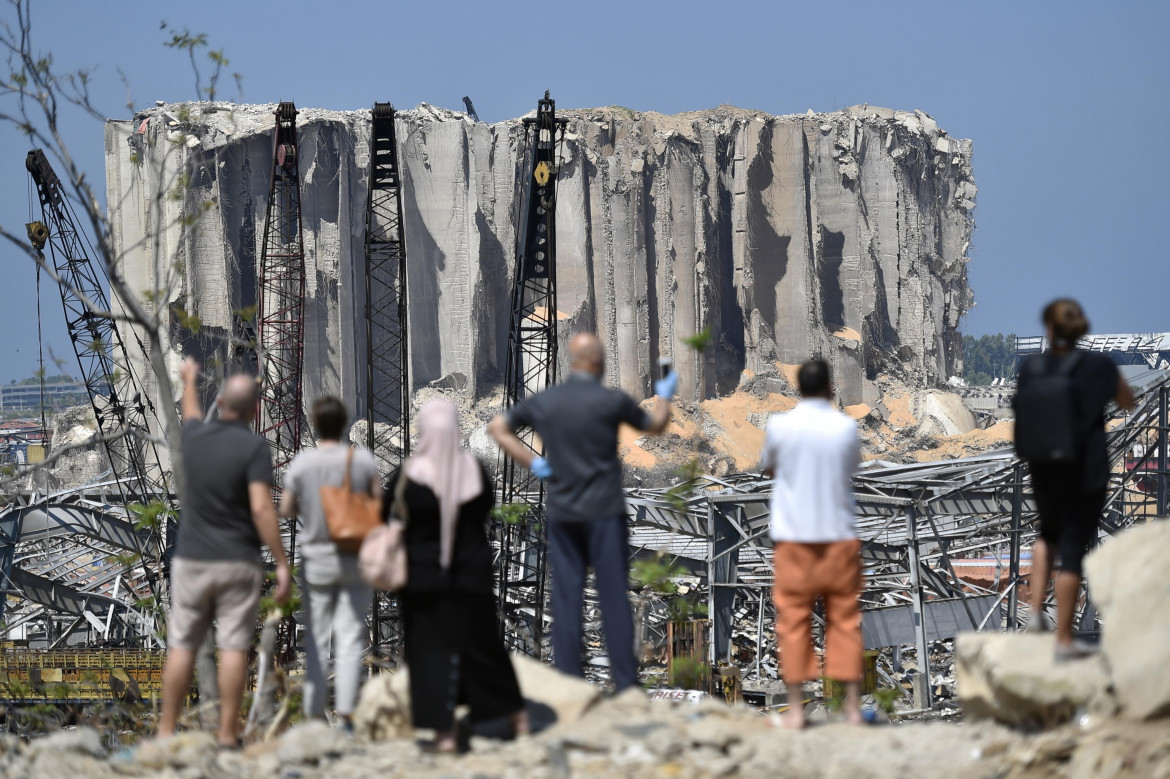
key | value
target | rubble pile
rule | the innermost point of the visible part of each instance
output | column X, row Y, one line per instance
column 581, row 733
column 84, row 460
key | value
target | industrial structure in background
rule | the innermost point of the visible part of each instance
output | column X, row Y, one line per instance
column 1151, row 350
column 531, row 367
column 280, row 329
column 88, row 563
column 280, row 300
column 80, row 569
column 387, row 376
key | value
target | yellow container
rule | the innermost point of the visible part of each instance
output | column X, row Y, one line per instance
column 36, row 453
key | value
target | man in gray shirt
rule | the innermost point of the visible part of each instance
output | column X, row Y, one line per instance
column 578, row 422
column 217, row 572
column 337, row 599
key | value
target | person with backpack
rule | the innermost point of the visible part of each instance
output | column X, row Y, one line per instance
column 336, row 598
column 451, row 630
column 1060, row 406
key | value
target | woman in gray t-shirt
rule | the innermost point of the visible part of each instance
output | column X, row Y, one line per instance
column 336, row 599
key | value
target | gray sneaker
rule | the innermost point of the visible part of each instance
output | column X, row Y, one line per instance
column 1077, row 650
column 1038, row 623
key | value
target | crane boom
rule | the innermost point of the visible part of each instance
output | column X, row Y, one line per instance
column 281, row 301
column 531, row 367
column 387, row 380
column 121, row 406
column 115, row 391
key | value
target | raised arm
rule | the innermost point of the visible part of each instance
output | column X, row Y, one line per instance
column 664, row 390
column 189, row 372
column 264, row 517
column 507, row 440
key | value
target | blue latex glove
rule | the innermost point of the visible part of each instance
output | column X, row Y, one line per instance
column 667, row 385
column 540, row 468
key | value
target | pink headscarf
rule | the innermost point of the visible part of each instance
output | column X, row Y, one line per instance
column 442, row 464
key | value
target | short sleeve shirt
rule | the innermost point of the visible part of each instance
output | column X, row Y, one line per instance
column 313, row 469
column 220, row 460
column 578, row 422
column 1094, row 380
column 814, row 453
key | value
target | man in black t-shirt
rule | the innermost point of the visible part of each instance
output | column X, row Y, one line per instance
column 1070, row 496
column 217, row 572
column 578, row 422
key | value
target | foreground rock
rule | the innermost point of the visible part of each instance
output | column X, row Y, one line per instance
column 1130, row 584
column 1012, row 678
column 383, row 710
column 630, row 736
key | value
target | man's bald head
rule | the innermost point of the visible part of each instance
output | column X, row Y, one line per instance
column 586, row 354
column 237, row 400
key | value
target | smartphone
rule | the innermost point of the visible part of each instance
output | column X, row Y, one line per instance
column 665, row 366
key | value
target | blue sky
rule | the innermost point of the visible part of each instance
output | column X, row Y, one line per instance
column 1066, row 103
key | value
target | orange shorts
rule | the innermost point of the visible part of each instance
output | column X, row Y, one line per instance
column 805, row 572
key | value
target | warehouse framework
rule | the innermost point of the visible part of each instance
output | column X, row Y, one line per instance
column 918, row 524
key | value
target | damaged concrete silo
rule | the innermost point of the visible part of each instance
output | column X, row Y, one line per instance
column 841, row 234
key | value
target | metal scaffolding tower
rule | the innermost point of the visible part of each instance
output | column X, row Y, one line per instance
column 387, row 392
column 531, row 367
column 281, row 322
column 281, row 301
column 120, row 403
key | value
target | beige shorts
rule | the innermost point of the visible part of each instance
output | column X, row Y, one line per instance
column 226, row 591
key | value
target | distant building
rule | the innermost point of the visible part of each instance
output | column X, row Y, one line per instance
column 57, row 395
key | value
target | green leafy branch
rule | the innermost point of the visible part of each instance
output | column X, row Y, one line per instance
column 268, row 601
column 512, row 513
column 185, row 40
column 688, row 474
column 700, row 340
column 688, row 673
column 150, row 516
column 186, row 320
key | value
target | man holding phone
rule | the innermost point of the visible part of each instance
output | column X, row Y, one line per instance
column 578, row 421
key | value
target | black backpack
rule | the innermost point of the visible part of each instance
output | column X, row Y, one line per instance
column 1047, row 422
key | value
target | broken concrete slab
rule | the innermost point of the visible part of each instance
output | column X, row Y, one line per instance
column 1130, row 584
column 567, row 697
column 941, row 413
column 383, row 708
column 1014, row 679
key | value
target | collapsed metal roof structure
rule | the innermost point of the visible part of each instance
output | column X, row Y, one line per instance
column 920, row 524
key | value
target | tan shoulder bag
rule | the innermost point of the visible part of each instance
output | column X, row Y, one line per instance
column 349, row 515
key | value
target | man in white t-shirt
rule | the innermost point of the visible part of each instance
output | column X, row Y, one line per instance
column 812, row 452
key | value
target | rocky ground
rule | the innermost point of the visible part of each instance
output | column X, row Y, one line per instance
column 634, row 737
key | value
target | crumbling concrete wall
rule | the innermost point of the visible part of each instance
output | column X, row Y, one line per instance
column 841, row 234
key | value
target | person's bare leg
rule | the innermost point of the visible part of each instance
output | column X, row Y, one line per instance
column 852, row 706
column 1068, row 587
column 794, row 717
column 1038, row 580
column 176, row 684
column 233, row 675
column 521, row 725
column 446, row 741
